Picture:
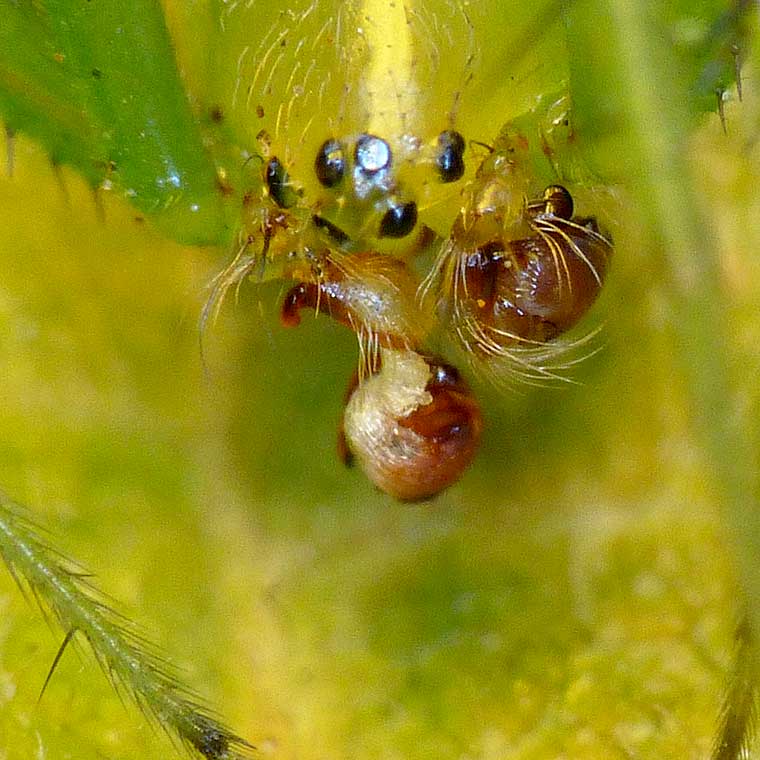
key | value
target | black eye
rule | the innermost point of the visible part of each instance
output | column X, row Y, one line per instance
column 330, row 164
column 278, row 183
column 558, row 202
column 372, row 154
column 450, row 161
column 399, row 220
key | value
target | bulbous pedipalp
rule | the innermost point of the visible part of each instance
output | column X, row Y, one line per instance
column 414, row 426
column 410, row 421
column 532, row 289
column 517, row 273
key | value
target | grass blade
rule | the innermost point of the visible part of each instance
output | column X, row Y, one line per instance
column 131, row 663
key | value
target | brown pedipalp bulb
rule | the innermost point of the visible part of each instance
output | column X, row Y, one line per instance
column 410, row 422
column 371, row 293
column 533, row 289
column 525, row 291
column 413, row 426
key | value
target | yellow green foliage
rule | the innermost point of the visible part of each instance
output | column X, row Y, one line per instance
column 574, row 596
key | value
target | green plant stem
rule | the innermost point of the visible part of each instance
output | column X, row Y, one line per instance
column 692, row 258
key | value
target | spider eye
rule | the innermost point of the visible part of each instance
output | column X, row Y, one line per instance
column 278, row 183
column 450, row 158
column 372, row 154
column 330, row 164
column 399, row 220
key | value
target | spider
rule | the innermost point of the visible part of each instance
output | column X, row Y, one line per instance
column 416, row 172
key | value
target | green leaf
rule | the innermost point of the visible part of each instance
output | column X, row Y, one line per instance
column 97, row 84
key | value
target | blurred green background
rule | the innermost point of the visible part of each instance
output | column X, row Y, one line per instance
column 574, row 596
